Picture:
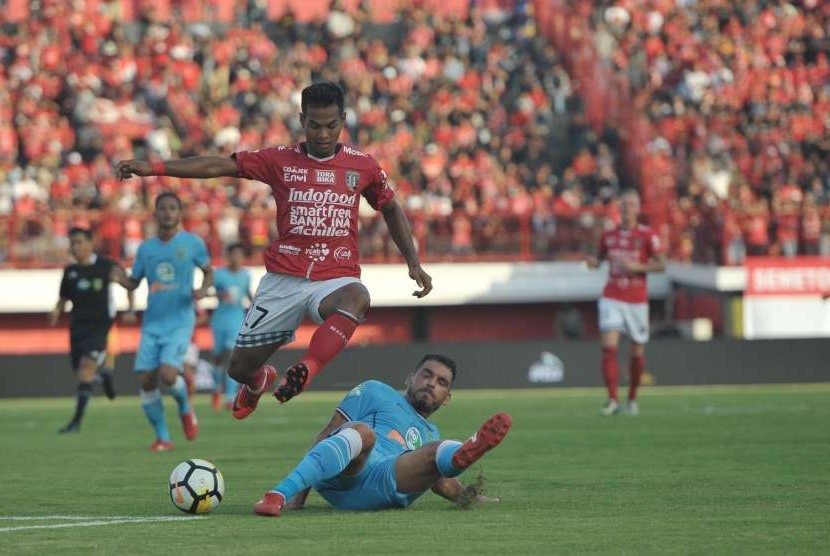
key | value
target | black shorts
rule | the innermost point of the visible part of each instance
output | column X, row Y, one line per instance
column 88, row 340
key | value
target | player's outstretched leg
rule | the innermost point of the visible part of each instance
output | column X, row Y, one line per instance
column 154, row 410
column 175, row 386
column 452, row 457
column 248, row 366
column 328, row 458
column 343, row 309
column 86, row 378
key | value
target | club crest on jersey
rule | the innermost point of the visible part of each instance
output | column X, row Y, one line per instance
column 413, row 438
column 352, row 180
column 324, row 177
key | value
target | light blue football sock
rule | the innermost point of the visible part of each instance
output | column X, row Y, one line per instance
column 179, row 393
column 218, row 375
column 154, row 410
column 443, row 458
column 231, row 388
column 328, row 458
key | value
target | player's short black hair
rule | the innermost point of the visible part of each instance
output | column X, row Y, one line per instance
column 443, row 359
column 323, row 93
column 79, row 231
column 171, row 195
column 233, row 246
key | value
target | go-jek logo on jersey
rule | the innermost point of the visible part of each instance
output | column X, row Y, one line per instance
column 317, row 252
column 413, row 438
column 294, row 174
column 321, row 198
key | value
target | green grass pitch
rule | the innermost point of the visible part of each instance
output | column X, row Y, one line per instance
column 709, row 470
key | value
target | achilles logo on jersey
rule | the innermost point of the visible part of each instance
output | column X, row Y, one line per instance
column 342, row 254
column 324, row 177
column 293, row 174
column 317, row 252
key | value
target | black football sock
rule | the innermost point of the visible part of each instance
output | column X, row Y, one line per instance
column 84, row 393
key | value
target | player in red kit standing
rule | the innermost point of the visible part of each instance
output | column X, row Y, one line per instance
column 313, row 267
column 632, row 251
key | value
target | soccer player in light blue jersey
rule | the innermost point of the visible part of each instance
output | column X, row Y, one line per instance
column 168, row 263
column 233, row 286
column 379, row 450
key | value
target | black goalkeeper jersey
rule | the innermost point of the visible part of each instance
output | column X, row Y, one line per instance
column 88, row 287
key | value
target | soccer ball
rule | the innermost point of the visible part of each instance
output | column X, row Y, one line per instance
column 196, row 486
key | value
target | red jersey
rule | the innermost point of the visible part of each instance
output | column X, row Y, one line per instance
column 317, row 206
column 640, row 244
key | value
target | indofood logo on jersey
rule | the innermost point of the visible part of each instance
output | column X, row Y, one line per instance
column 320, row 213
column 413, row 438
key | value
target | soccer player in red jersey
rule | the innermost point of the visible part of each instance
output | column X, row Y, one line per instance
column 632, row 251
column 313, row 267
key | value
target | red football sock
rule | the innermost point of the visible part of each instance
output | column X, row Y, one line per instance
column 638, row 366
column 327, row 341
column 610, row 370
column 257, row 380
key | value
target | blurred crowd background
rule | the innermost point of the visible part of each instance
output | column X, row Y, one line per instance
column 506, row 127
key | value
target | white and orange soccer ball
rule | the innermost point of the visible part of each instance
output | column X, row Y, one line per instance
column 196, row 486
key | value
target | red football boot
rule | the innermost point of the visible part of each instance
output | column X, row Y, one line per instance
column 161, row 446
column 190, row 425
column 294, row 382
column 246, row 399
column 490, row 435
column 270, row 504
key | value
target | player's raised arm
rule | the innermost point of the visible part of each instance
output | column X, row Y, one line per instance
column 401, row 234
column 191, row 167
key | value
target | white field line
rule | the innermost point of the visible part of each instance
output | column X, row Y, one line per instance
column 80, row 521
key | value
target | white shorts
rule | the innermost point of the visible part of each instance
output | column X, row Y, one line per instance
column 280, row 303
column 631, row 318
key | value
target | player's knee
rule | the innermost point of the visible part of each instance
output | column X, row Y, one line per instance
column 367, row 436
column 148, row 382
column 356, row 300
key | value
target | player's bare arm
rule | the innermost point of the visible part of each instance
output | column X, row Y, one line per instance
column 191, row 167
column 654, row 264
column 119, row 276
column 401, row 234
column 55, row 314
column 207, row 283
column 334, row 423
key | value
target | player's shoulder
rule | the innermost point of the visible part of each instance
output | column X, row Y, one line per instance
column 191, row 238
column 357, row 157
column 372, row 388
column 645, row 230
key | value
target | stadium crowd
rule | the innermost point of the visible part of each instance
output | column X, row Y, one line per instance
column 468, row 108
column 472, row 116
column 738, row 93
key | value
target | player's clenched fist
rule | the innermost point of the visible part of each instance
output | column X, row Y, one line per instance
column 126, row 169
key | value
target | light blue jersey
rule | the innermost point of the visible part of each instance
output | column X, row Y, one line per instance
column 398, row 428
column 170, row 316
column 231, row 288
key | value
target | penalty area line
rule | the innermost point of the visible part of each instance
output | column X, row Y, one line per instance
column 91, row 523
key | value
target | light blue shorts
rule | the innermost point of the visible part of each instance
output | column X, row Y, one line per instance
column 374, row 488
column 224, row 338
column 157, row 349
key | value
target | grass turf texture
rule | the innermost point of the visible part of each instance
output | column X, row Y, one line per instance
column 715, row 470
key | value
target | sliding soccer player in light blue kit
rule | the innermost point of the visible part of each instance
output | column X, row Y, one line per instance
column 379, row 450
column 168, row 262
column 233, row 285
